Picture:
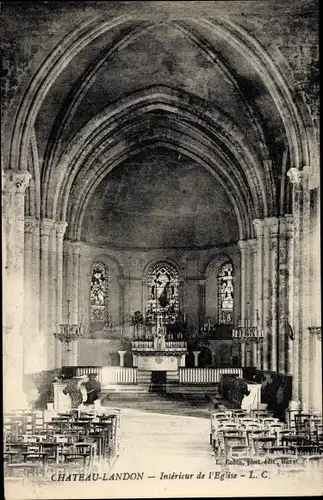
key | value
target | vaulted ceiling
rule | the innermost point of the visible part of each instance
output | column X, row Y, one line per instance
column 181, row 113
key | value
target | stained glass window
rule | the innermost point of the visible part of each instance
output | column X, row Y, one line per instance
column 163, row 297
column 225, row 294
column 99, row 293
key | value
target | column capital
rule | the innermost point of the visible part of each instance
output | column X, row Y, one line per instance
column 243, row 245
column 122, row 280
column 31, row 223
column 201, row 281
column 15, row 182
column 272, row 223
column 289, row 225
column 258, row 225
column 46, row 225
column 75, row 247
column 299, row 177
column 61, row 228
column 253, row 244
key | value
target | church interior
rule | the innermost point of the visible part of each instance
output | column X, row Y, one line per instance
column 161, row 221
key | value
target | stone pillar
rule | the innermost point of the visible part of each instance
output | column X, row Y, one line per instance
column 75, row 313
column 122, row 304
column 52, row 296
column 301, row 220
column 122, row 355
column 201, row 300
column 196, row 358
column 316, row 368
column 315, row 296
column 14, row 185
column 253, row 295
column 33, row 347
column 68, row 297
column 272, row 223
column 181, row 295
column 243, row 245
column 45, row 229
column 283, row 283
column 259, row 282
column 60, row 231
column 289, row 343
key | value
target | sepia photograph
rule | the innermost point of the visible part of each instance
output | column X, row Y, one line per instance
column 160, row 169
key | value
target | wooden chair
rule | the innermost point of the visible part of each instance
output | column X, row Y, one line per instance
column 259, row 444
column 238, row 451
column 23, row 470
column 279, row 450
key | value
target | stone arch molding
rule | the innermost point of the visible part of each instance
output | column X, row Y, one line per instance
column 205, row 134
column 88, row 31
column 149, row 265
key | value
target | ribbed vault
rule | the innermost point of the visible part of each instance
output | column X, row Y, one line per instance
column 69, row 173
column 158, row 115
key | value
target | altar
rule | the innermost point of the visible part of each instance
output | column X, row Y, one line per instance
column 159, row 354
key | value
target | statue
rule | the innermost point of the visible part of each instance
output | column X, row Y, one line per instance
column 159, row 339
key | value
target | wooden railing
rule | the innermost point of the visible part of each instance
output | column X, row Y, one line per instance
column 118, row 375
column 205, row 375
column 85, row 370
column 110, row 374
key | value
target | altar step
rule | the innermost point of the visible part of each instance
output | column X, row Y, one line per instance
column 194, row 389
column 125, row 388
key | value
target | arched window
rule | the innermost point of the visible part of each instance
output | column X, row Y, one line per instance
column 225, row 294
column 99, row 293
column 163, row 294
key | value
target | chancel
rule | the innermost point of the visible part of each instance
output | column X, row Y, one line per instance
column 161, row 210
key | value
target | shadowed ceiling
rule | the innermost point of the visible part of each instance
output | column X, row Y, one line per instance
column 160, row 198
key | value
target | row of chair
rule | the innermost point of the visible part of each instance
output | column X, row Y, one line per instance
column 74, row 438
column 234, row 433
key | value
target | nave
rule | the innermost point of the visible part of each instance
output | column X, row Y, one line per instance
column 171, row 455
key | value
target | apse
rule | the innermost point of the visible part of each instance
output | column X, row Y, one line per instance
column 160, row 199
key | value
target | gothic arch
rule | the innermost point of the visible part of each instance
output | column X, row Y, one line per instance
column 88, row 31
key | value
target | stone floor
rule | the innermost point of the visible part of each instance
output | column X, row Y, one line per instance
column 166, row 455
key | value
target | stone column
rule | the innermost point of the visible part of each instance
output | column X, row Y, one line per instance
column 253, row 296
column 272, row 223
column 201, row 300
column 181, row 295
column 289, row 343
column 75, row 313
column 14, row 185
column 259, row 282
column 122, row 355
column 315, row 296
column 60, row 231
column 283, row 282
column 52, row 296
column 33, row 347
column 266, row 297
column 45, row 229
column 243, row 245
column 301, row 219
column 196, row 358
column 122, row 304
column 316, row 368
